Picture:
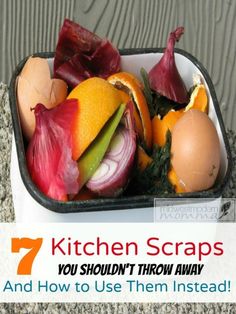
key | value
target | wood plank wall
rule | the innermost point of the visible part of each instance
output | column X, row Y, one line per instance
column 27, row 26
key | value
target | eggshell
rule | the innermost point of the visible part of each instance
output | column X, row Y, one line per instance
column 34, row 85
column 195, row 151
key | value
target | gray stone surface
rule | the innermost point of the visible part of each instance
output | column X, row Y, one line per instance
column 6, row 205
column 117, row 308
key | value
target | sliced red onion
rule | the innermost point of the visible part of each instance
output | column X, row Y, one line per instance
column 112, row 175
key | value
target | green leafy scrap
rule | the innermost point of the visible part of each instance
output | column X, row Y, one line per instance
column 154, row 179
column 147, row 91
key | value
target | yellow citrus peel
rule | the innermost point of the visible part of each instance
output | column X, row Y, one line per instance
column 97, row 102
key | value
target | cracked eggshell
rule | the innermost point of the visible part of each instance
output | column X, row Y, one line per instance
column 34, row 85
column 195, row 151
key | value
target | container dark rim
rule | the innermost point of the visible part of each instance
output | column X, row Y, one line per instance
column 140, row 201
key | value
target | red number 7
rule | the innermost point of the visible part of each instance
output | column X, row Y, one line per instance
column 34, row 245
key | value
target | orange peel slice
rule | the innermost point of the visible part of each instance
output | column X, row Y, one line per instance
column 132, row 86
column 174, row 180
column 160, row 127
column 97, row 102
column 198, row 99
column 84, row 195
column 143, row 159
column 138, row 123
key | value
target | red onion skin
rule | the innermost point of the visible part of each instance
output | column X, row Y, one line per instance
column 115, row 183
column 81, row 54
column 74, row 38
column 164, row 77
column 49, row 154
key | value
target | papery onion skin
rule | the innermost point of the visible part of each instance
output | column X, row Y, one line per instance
column 49, row 154
column 164, row 77
column 73, row 71
column 81, row 54
column 113, row 174
column 74, row 38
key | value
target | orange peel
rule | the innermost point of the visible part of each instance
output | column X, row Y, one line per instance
column 143, row 159
column 160, row 127
column 174, row 180
column 138, row 123
column 84, row 195
column 131, row 85
column 198, row 99
column 97, row 101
